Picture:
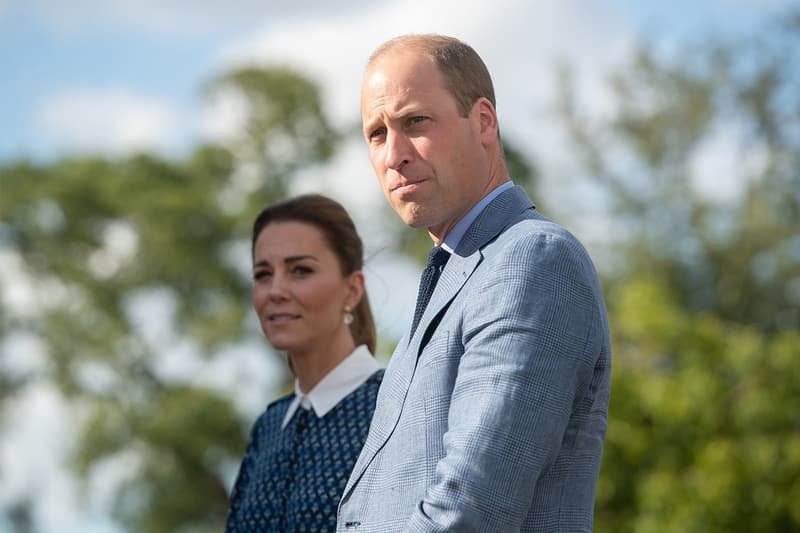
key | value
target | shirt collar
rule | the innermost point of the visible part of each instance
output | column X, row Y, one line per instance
column 454, row 236
column 346, row 377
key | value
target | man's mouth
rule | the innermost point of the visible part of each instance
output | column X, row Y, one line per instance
column 407, row 186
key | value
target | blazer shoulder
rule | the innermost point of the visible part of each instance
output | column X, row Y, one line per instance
column 533, row 229
column 533, row 242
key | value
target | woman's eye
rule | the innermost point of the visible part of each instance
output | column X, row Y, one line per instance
column 302, row 270
column 261, row 274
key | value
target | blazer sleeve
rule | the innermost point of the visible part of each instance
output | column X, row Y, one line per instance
column 530, row 334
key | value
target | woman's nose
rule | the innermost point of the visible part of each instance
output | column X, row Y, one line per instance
column 278, row 287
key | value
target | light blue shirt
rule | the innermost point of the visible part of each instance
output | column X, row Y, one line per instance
column 453, row 236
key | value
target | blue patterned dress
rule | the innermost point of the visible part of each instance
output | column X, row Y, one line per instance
column 291, row 479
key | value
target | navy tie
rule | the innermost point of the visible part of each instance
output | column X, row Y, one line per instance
column 437, row 258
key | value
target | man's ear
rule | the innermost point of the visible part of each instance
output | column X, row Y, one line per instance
column 487, row 120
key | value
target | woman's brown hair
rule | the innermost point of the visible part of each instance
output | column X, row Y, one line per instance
column 330, row 218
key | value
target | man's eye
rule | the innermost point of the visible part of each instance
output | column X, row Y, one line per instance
column 378, row 132
column 417, row 120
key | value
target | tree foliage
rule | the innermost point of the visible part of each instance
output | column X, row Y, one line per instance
column 698, row 171
column 101, row 240
column 284, row 127
column 699, row 168
column 703, row 287
column 703, row 436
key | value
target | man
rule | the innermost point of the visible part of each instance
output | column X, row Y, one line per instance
column 493, row 411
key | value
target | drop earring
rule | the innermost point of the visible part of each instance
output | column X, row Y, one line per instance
column 348, row 316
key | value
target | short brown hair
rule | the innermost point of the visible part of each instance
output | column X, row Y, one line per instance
column 464, row 73
column 341, row 236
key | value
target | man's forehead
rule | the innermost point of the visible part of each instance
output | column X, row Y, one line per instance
column 400, row 80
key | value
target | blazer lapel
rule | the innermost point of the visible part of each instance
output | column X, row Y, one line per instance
column 455, row 274
column 494, row 218
column 402, row 365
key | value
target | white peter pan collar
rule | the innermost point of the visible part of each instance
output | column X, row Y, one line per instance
column 346, row 377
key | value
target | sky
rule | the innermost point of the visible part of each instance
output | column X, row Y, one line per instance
column 111, row 77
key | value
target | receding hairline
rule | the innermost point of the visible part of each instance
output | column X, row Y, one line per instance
column 463, row 72
column 423, row 43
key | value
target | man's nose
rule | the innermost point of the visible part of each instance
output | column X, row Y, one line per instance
column 399, row 150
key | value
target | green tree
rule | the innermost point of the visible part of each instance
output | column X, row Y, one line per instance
column 98, row 237
column 703, row 435
column 284, row 125
column 739, row 256
column 703, row 285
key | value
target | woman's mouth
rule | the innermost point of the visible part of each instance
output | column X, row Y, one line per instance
column 277, row 318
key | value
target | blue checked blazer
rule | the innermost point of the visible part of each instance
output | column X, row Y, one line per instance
column 492, row 417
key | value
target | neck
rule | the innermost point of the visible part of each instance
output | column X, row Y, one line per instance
column 310, row 365
column 439, row 233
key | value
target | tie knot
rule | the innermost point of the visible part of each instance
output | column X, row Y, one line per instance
column 438, row 256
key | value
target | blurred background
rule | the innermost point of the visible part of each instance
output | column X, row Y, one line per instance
column 138, row 140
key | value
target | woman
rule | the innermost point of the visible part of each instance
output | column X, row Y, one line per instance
column 308, row 292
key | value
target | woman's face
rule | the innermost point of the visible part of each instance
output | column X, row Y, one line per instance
column 299, row 291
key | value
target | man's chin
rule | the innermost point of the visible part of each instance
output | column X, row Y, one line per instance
column 416, row 224
column 412, row 217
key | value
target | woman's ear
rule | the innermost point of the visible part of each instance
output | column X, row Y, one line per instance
column 355, row 289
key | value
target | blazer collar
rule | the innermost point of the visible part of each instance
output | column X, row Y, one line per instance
column 494, row 219
column 497, row 216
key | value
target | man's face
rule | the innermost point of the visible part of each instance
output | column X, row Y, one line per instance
column 429, row 159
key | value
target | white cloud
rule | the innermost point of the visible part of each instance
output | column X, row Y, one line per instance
column 347, row 178
column 723, row 165
column 251, row 368
column 182, row 18
column 224, row 116
column 120, row 242
column 38, row 428
column 22, row 355
column 521, row 43
column 107, row 120
column 518, row 40
column 176, row 18
column 17, row 294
